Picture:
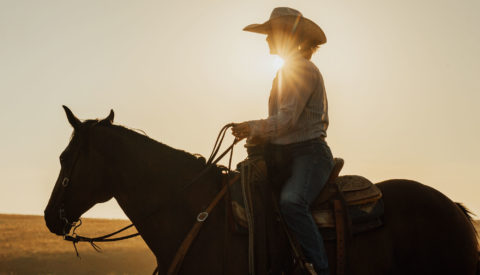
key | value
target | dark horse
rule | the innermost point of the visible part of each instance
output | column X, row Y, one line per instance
column 424, row 232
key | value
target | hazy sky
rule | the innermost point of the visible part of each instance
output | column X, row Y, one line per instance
column 402, row 80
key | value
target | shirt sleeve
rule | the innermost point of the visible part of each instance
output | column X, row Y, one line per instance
column 294, row 88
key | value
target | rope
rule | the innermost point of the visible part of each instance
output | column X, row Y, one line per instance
column 211, row 162
column 228, row 205
column 245, row 180
column 218, row 142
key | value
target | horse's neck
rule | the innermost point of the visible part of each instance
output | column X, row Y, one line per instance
column 141, row 173
column 148, row 189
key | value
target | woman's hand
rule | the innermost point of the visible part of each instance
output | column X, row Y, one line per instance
column 241, row 130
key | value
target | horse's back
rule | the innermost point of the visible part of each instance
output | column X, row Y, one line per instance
column 426, row 231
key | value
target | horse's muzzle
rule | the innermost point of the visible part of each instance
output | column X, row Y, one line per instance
column 55, row 224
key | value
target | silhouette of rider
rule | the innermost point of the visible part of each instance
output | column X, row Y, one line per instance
column 295, row 129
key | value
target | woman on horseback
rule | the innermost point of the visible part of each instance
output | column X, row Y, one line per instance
column 296, row 127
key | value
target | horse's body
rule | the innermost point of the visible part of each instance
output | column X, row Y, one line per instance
column 424, row 232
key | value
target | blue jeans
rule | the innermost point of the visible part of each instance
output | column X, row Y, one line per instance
column 309, row 165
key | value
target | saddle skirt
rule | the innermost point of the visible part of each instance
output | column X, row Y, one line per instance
column 363, row 198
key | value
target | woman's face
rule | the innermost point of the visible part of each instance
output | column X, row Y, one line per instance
column 280, row 43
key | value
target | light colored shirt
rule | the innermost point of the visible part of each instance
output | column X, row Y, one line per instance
column 297, row 108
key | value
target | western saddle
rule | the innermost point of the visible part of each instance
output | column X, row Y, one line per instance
column 347, row 205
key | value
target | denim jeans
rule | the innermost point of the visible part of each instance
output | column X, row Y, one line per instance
column 306, row 167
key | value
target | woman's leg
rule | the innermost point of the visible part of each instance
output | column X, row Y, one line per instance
column 311, row 167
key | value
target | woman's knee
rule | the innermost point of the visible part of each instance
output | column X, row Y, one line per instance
column 291, row 203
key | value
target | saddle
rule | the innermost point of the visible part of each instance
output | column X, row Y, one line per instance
column 362, row 197
column 347, row 205
column 364, row 206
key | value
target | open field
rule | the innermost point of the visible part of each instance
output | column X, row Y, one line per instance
column 27, row 247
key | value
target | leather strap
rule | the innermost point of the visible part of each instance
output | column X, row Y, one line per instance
column 187, row 242
column 340, row 227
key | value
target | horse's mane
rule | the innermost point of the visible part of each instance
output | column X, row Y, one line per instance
column 468, row 214
column 139, row 136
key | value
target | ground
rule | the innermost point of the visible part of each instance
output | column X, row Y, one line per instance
column 27, row 247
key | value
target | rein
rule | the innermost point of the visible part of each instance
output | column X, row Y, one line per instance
column 74, row 238
column 202, row 216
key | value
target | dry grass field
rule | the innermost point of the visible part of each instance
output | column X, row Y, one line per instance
column 27, row 247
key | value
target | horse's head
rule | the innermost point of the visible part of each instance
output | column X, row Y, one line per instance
column 82, row 181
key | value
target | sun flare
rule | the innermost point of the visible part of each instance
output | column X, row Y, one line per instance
column 277, row 63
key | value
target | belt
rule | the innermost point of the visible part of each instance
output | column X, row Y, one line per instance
column 320, row 139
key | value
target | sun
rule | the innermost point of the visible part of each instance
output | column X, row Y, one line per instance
column 277, row 63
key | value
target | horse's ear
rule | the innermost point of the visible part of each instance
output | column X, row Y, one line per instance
column 108, row 119
column 74, row 121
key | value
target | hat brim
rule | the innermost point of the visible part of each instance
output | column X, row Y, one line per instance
column 304, row 25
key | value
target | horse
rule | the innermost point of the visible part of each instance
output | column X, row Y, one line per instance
column 424, row 232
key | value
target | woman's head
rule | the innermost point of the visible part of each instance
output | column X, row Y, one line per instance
column 286, row 44
column 289, row 33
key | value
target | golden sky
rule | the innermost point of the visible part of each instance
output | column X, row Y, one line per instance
column 402, row 79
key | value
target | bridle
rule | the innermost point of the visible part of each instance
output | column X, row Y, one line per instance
column 69, row 224
column 201, row 217
column 74, row 237
column 61, row 211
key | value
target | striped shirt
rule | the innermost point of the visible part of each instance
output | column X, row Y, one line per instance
column 297, row 108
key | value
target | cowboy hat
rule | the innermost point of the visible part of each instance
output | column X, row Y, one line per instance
column 283, row 16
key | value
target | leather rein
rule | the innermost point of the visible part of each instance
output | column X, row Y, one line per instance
column 200, row 219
